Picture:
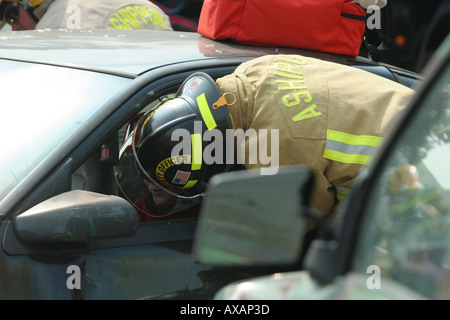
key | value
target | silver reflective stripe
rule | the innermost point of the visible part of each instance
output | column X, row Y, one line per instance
column 349, row 148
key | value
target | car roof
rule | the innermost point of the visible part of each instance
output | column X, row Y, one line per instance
column 129, row 52
column 125, row 51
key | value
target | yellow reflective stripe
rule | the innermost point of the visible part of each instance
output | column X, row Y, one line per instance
column 347, row 138
column 349, row 148
column 206, row 112
column 341, row 192
column 190, row 184
column 423, row 198
column 196, row 141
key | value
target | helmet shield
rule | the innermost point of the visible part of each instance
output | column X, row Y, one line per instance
column 146, row 195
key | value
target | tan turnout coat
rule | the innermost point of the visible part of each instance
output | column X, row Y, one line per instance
column 101, row 14
column 329, row 116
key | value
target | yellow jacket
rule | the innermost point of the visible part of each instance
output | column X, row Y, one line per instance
column 329, row 116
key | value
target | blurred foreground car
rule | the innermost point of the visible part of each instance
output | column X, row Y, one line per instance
column 390, row 238
column 66, row 99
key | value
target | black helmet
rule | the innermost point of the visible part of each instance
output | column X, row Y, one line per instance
column 170, row 145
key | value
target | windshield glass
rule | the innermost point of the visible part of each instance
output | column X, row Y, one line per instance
column 40, row 106
column 406, row 233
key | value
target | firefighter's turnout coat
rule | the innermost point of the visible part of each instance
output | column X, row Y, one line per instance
column 329, row 116
column 101, row 14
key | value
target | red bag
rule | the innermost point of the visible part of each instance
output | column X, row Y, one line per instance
column 335, row 26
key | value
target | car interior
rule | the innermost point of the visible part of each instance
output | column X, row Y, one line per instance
column 98, row 172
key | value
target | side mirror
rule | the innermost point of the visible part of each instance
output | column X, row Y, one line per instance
column 248, row 219
column 77, row 216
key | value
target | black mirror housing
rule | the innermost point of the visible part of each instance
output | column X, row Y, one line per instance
column 249, row 219
column 76, row 216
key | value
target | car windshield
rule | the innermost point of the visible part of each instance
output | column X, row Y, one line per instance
column 406, row 234
column 40, row 106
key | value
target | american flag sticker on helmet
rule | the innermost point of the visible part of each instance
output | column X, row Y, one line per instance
column 194, row 85
column 181, row 177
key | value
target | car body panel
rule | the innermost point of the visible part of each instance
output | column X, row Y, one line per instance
column 156, row 260
column 122, row 52
column 129, row 54
column 301, row 286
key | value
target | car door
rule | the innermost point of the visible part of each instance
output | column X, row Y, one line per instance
column 153, row 262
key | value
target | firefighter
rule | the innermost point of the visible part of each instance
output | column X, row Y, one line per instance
column 325, row 115
column 82, row 14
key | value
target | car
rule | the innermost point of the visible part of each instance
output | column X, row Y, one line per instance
column 67, row 229
column 389, row 238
